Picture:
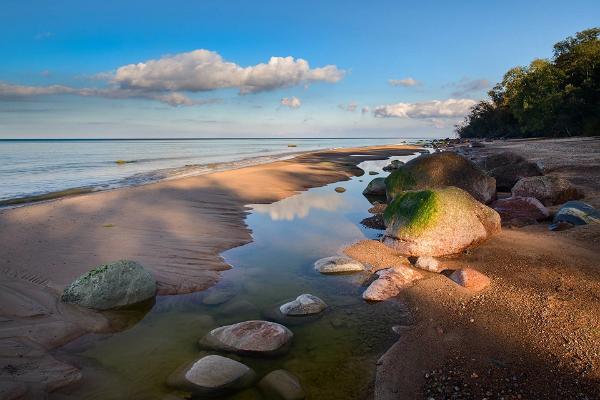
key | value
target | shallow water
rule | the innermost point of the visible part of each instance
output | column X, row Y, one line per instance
column 334, row 355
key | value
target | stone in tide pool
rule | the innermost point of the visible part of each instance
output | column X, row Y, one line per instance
column 117, row 284
column 521, row 208
column 470, row 279
column 211, row 376
column 576, row 213
column 282, row 385
column 548, row 189
column 338, row 264
column 428, row 263
column 375, row 188
column 305, row 304
column 437, row 222
column 249, row 337
column 390, row 282
column 394, row 165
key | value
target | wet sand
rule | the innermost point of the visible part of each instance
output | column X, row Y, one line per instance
column 176, row 229
column 535, row 333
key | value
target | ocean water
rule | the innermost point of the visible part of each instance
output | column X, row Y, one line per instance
column 31, row 168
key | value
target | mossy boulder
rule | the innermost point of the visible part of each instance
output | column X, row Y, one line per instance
column 437, row 222
column 375, row 188
column 437, row 170
column 117, row 284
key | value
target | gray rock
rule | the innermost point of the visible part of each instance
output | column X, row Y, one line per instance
column 281, row 385
column 394, row 165
column 576, row 213
column 548, row 189
column 249, row 337
column 117, row 284
column 211, row 375
column 375, row 188
column 305, row 304
column 337, row 264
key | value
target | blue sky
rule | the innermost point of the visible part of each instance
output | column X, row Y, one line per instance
column 71, row 68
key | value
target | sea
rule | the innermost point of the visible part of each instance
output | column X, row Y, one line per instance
column 41, row 169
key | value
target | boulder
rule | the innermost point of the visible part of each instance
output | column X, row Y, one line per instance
column 249, row 337
column 337, row 264
column 390, row 282
column 438, row 222
column 500, row 159
column 470, row 279
column 432, row 171
column 576, row 213
column 305, row 304
column 520, row 208
column 428, row 263
column 375, row 188
column 548, row 189
column 507, row 175
column 211, row 375
column 394, row 165
column 117, row 284
column 281, row 385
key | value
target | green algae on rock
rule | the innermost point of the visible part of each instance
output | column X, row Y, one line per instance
column 117, row 284
column 437, row 170
column 438, row 222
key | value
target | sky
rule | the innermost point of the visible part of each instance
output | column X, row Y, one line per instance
column 77, row 69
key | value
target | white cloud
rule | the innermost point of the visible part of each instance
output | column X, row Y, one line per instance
column 204, row 70
column 451, row 108
column 291, row 102
column 364, row 110
column 166, row 79
column 406, row 82
column 351, row 107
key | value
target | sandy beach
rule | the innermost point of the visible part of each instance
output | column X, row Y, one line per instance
column 534, row 333
column 176, row 229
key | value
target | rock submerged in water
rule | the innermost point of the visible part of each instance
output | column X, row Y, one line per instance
column 249, row 337
column 548, row 189
column 576, row 213
column 470, row 279
column 439, row 170
column 305, row 304
column 438, row 222
column 117, row 284
column 337, row 265
column 520, row 208
column 375, row 188
column 211, row 376
column 281, row 385
column 390, row 282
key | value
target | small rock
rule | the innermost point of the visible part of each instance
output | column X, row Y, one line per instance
column 394, row 165
column 374, row 222
column 520, row 209
column 282, row 385
column 390, row 282
column 340, row 189
column 470, row 279
column 378, row 208
column 337, row 264
column 305, row 304
column 577, row 213
column 251, row 337
column 211, row 375
column 428, row 263
column 373, row 173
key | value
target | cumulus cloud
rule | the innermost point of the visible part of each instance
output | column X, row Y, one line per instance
column 291, row 102
column 466, row 87
column 406, row 82
column 167, row 79
column 204, row 70
column 451, row 108
column 351, row 107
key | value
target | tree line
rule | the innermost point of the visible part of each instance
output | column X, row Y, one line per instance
column 550, row 97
